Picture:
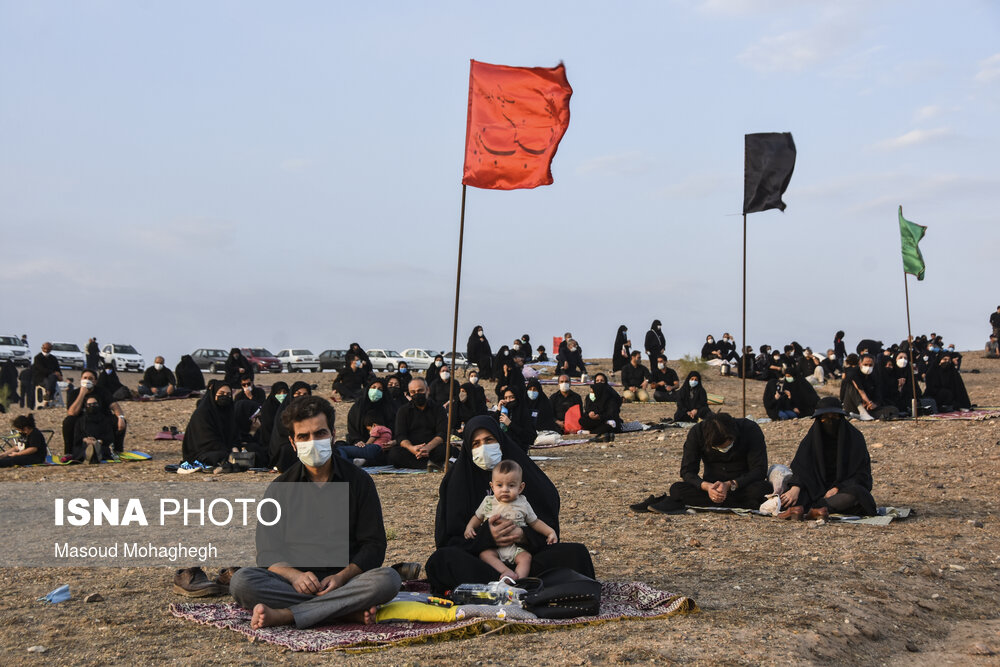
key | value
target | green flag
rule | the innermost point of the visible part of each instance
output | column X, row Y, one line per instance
column 911, row 233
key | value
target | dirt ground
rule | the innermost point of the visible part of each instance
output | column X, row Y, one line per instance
column 921, row 591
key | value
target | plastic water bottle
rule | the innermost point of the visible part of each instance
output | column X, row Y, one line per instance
column 494, row 593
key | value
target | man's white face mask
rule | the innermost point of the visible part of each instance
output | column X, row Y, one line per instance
column 314, row 453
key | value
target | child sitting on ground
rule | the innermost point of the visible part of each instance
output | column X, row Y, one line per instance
column 378, row 434
column 508, row 503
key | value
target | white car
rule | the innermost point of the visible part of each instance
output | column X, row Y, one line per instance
column 12, row 348
column 69, row 355
column 419, row 359
column 123, row 357
column 384, row 360
column 298, row 360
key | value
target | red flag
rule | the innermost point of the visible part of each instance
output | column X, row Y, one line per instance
column 517, row 115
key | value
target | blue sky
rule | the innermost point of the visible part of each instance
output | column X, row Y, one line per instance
column 204, row 174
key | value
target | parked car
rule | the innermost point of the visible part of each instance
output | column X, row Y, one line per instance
column 122, row 357
column 384, row 360
column 12, row 348
column 460, row 360
column 261, row 359
column 333, row 360
column 69, row 355
column 419, row 359
column 298, row 360
column 210, row 359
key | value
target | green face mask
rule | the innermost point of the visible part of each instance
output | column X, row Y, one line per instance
column 592, row 396
column 280, row 397
column 374, row 394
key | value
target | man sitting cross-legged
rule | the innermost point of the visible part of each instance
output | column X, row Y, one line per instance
column 284, row 595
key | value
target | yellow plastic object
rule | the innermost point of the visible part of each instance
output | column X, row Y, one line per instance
column 414, row 611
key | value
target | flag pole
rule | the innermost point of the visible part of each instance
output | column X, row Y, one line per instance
column 743, row 370
column 454, row 334
column 909, row 337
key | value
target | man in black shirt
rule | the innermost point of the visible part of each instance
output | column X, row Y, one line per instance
column 280, row 594
column 45, row 372
column 562, row 401
column 77, row 399
column 664, row 381
column 158, row 380
column 995, row 322
column 420, row 431
column 635, row 379
column 735, row 465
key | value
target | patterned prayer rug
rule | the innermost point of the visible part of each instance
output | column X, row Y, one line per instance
column 620, row 601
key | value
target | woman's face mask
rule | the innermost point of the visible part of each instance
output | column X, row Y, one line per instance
column 474, row 379
column 592, row 396
column 867, row 370
column 462, row 396
column 901, row 362
column 374, row 394
column 532, row 394
column 445, row 376
column 280, row 398
column 692, row 383
column 314, row 453
column 487, row 456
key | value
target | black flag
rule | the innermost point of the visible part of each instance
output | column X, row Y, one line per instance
column 767, row 169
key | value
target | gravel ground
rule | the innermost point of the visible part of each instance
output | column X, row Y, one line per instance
column 920, row 591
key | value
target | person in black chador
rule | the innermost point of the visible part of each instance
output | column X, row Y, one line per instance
column 655, row 342
column 515, row 420
column 602, row 405
column 790, row 397
column 692, row 399
column 372, row 401
column 91, row 431
column 734, row 457
column 539, row 407
column 831, row 471
column 211, row 433
column 622, row 349
column 945, row 385
column 478, row 352
column 350, row 382
column 440, row 390
column 456, row 559
column 570, row 360
column 270, row 410
column 189, row 376
column 8, row 380
column 471, row 403
column 280, row 452
column 237, row 368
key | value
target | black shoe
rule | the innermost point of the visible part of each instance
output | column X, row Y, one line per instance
column 407, row 571
column 644, row 505
column 193, row 583
column 668, row 506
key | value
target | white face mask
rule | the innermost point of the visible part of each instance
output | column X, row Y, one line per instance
column 789, row 380
column 564, row 387
column 87, row 384
column 831, row 357
column 487, row 456
column 692, row 383
column 445, row 376
column 474, row 379
column 661, row 366
column 724, row 450
column 158, row 367
column 901, row 363
column 592, row 396
column 314, row 453
column 867, row 370
column 532, row 394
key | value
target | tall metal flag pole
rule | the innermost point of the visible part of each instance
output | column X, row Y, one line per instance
column 517, row 117
column 768, row 162
column 454, row 332
column 910, row 234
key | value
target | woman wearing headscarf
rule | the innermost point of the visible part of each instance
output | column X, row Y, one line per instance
column 655, row 342
column 373, row 401
column 92, row 429
column 211, row 432
column 692, row 400
column 271, row 408
column 188, row 375
column 467, row 482
column 710, row 350
column 509, row 375
column 478, row 352
column 237, row 368
column 471, row 403
column 440, row 390
column 899, row 386
column 433, row 371
column 945, row 385
column 539, row 407
column 280, row 453
column 622, row 349
column 601, row 406
column 789, row 397
column 515, row 420
column 248, row 428
column 831, row 471
column 366, row 362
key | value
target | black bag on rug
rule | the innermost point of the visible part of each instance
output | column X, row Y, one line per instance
column 561, row 593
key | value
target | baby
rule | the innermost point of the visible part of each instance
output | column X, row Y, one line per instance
column 508, row 503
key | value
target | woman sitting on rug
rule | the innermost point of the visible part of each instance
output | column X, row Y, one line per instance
column 692, row 400
column 831, row 471
column 456, row 560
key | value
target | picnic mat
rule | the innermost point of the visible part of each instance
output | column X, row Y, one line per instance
column 124, row 457
column 979, row 414
column 884, row 515
column 562, row 443
column 619, row 601
column 392, row 470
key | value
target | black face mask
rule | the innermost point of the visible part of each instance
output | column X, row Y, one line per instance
column 419, row 400
column 511, row 405
column 830, row 427
column 394, row 391
column 224, row 401
column 93, row 409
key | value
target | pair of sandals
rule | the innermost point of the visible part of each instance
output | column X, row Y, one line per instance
column 172, row 430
